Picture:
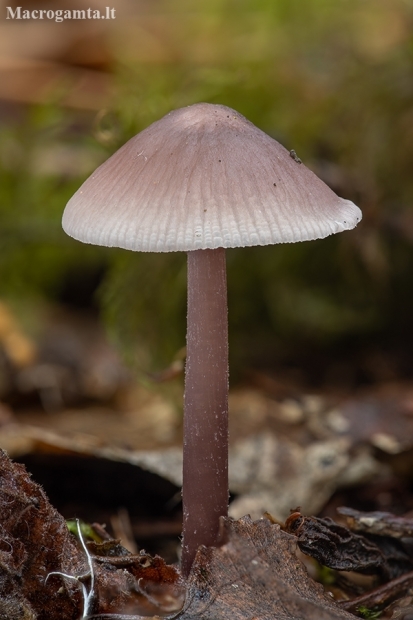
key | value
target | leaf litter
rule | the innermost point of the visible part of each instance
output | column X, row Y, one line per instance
column 255, row 573
column 48, row 573
column 304, row 441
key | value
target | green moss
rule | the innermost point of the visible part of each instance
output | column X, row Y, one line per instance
column 370, row 614
column 332, row 81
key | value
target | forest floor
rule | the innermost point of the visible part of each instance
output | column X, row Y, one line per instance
column 106, row 449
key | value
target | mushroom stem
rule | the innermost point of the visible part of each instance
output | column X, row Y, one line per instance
column 205, row 467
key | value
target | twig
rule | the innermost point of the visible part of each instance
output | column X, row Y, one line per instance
column 381, row 596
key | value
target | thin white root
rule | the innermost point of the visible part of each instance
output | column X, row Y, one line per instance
column 88, row 596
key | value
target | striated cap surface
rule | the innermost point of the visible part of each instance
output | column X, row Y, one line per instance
column 204, row 177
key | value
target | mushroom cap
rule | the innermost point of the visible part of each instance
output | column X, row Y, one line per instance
column 204, row 177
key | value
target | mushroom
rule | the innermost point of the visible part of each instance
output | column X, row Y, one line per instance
column 202, row 179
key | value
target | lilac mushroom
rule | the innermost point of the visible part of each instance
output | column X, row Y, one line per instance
column 199, row 180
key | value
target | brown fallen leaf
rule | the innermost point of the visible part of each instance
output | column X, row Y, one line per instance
column 334, row 545
column 45, row 574
column 337, row 547
column 34, row 542
column 254, row 576
column 382, row 417
column 377, row 522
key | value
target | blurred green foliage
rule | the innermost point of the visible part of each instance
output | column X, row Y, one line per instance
column 34, row 253
column 333, row 80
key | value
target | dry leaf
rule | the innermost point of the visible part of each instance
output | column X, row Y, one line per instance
column 254, row 576
column 35, row 542
column 337, row 547
column 383, row 418
column 377, row 522
column 334, row 545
